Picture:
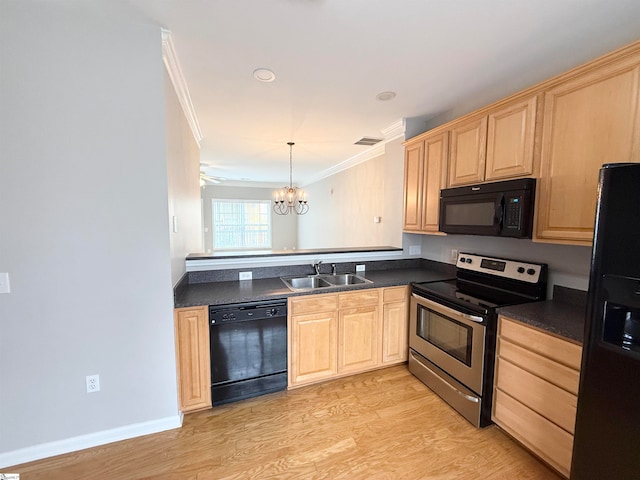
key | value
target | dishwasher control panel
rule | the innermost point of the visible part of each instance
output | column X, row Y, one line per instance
column 246, row 311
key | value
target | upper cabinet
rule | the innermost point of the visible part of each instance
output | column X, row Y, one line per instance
column 590, row 119
column 496, row 146
column 511, row 136
column 560, row 131
column 425, row 167
column 468, row 152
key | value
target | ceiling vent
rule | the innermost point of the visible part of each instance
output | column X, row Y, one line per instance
column 368, row 141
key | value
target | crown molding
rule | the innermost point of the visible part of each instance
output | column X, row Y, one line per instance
column 170, row 59
column 392, row 132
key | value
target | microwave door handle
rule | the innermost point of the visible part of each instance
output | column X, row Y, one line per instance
column 499, row 214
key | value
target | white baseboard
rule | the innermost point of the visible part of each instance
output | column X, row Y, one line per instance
column 45, row 450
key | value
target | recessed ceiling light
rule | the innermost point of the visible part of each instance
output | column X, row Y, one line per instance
column 385, row 96
column 264, row 75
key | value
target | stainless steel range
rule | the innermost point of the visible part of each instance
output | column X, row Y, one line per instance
column 452, row 329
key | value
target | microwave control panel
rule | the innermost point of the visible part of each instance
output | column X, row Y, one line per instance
column 513, row 212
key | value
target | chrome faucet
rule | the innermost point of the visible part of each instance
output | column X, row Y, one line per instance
column 316, row 266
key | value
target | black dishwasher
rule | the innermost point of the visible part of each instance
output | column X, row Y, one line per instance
column 248, row 349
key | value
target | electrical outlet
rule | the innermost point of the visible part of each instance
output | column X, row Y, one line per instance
column 359, row 268
column 245, row 275
column 454, row 255
column 93, row 383
column 415, row 249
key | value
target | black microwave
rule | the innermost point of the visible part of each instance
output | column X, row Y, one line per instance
column 500, row 209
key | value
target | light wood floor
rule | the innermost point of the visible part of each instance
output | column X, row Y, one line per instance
column 378, row 425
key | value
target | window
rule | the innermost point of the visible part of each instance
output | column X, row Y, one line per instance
column 241, row 224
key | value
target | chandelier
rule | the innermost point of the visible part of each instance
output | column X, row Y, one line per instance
column 290, row 199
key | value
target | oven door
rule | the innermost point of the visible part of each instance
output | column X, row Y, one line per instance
column 452, row 340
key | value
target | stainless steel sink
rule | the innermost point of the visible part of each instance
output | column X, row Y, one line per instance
column 305, row 283
column 312, row 282
column 346, row 279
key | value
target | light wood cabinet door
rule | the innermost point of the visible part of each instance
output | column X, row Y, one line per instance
column 395, row 340
column 511, row 140
column 425, row 173
column 589, row 120
column 313, row 346
column 359, row 334
column 548, row 441
column 193, row 358
column 468, row 152
column 413, row 174
column 436, row 153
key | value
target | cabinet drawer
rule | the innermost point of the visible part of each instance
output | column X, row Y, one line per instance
column 545, row 344
column 313, row 304
column 545, row 439
column 551, row 402
column 359, row 298
column 543, row 367
column 394, row 294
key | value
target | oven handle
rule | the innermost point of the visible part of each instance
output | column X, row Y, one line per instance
column 449, row 311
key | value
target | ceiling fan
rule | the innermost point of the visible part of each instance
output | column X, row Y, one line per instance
column 206, row 179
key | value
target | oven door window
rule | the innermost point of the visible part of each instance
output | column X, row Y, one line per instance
column 447, row 334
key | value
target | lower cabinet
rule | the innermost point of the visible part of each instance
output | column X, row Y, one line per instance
column 193, row 358
column 359, row 331
column 535, row 391
column 395, row 326
column 313, row 338
column 338, row 334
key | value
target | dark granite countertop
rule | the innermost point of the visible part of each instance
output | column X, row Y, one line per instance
column 226, row 292
column 563, row 316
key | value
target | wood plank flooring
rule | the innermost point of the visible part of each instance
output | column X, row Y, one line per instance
column 383, row 424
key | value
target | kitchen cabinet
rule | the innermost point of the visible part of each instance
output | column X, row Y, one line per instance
column 591, row 117
column 511, row 138
column 468, row 152
column 395, row 333
column 338, row 334
column 193, row 358
column 313, row 336
column 560, row 131
column 359, row 331
column 495, row 146
column 535, row 390
column 424, row 176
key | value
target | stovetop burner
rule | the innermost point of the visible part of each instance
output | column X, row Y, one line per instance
column 486, row 283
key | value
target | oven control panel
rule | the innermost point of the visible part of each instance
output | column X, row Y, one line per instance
column 500, row 267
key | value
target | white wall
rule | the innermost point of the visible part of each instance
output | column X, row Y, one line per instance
column 343, row 206
column 84, row 231
column 284, row 229
column 183, row 160
column 393, row 216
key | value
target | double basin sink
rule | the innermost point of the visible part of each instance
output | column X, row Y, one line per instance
column 313, row 282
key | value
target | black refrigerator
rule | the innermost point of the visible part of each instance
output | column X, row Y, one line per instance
column 607, row 433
